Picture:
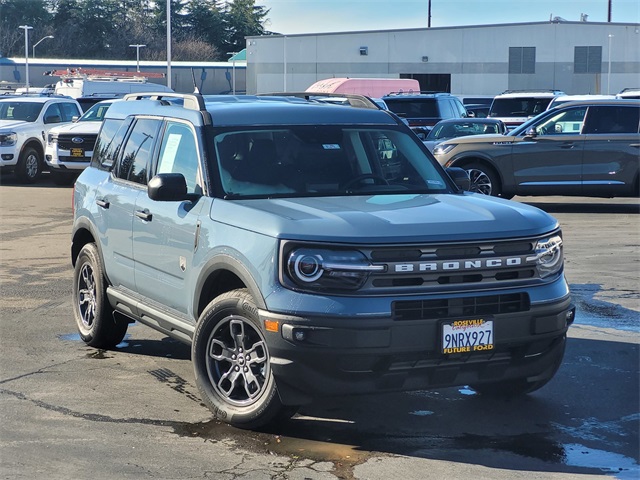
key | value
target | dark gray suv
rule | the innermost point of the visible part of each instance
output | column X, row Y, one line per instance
column 423, row 110
column 589, row 148
column 305, row 249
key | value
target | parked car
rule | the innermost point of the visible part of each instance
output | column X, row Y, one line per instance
column 70, row 147
column 460, row 127
column 25, row 121
column 578, row 148
column 560, row 99
column 424, row 110
column 514, row 107
column 629, row 93
column 305, row 249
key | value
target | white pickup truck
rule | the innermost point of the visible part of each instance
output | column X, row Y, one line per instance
column 25, row 122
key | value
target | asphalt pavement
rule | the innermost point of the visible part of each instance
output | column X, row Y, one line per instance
column 74, row 412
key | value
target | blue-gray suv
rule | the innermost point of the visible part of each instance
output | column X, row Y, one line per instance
column 305, row 249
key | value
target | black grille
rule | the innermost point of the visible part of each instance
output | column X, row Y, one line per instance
column 88, row 141
column 460, row 307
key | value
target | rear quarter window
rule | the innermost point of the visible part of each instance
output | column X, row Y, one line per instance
column 109, row 140
column 612, row 119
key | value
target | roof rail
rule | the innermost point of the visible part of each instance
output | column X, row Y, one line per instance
column 355, row 100
column 421, row 92
column 534, row 90
column 192, row 101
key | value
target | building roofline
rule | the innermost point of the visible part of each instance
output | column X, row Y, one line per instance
column 456, row 27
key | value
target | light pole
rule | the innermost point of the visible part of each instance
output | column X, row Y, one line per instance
column 169, row 43
column 26, row 29
column 33, row 49
column 137, row 47
column 233, row 70
column 609, row 67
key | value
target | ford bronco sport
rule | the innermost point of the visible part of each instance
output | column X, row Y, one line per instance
column 305, row 249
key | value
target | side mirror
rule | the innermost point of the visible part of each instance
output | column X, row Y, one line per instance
column 460, row 177
column 75, row 118
column 532, row 133
column 167, row 187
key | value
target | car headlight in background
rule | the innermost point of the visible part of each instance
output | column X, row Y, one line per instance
column 8, row 139
column 323, row 269
column 442, row 149
column 549, row 256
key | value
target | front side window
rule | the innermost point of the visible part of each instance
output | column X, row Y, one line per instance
column 324, row 161
column 563, row 123
column 23, row 111
column 136, row 153
column 68, row 111
column 179, row 154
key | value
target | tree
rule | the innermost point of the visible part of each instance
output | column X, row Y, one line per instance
column 244, row 19
column 14, row 13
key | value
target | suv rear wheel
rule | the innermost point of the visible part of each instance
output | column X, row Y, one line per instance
column 232, row 363
column 91, row 309
column 29, row 165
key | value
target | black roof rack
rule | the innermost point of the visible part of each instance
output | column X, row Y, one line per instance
column 534, row 90
column 355, row 100
column 421, row 92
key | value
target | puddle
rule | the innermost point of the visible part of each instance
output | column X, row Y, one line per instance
column 599, row 313
column 75, row 337
column 580, row 456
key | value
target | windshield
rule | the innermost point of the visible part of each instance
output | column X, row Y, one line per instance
column 518, row 107
column 325, row 161
column 24, row 111
column 461, row 129
column 95, row 113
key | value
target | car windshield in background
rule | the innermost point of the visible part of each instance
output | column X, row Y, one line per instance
column 518, row 107
column 461, row 129
column 324, row 161
column 23, row 111
column 95, row 113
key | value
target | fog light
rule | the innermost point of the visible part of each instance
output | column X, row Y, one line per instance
column 299, row 335
column 571, row 316
column 7, row 156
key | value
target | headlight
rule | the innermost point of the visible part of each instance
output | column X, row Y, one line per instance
column 548, row 256
column 442, row 149
column 314, row 269
column 7, row 139
column 52, row 138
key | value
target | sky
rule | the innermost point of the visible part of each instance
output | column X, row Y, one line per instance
column 320, row 16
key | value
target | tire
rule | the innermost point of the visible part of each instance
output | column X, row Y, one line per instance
column 62, row 178
column 232, row 363
column 519, row 386
column 29, row 166
column 92, row 311
column 483, row 179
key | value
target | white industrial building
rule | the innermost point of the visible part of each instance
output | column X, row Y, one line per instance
column 575, row 57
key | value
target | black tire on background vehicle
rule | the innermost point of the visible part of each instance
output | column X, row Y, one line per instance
column 232, row 365
column 30, row 166
column 483, row 179
column 63, row 178
column 91, row 309
column 519, row 386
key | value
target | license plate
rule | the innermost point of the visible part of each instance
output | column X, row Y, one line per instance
column 467, row 336
column 77, row 152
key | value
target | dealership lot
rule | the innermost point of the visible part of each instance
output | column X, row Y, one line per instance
column 75, row 412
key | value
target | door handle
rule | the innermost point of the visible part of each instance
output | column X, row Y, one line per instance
column 637, row 145
column 144, row 215
column 102, row 203
column 567, row 145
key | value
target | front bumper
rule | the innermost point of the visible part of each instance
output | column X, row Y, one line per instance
column 322, row 356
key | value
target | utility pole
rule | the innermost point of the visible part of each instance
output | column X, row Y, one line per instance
column 429, row 15
column 609, row 12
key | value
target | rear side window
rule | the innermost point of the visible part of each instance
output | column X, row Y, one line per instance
column 612, row 119
column 108, row 144
column 136, row 153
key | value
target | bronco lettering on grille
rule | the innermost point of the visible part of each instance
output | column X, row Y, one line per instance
column 453, row 265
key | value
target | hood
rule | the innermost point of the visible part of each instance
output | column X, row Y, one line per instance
column 484, row 138
column 386, row 218
column 80, row 128
column 8, row 124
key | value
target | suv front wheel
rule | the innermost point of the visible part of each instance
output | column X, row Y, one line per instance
column 232, row 363
column 483, row 179
column 29, row 166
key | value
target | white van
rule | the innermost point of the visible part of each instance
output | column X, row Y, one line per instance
column 371, row 87
column 83, row 87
